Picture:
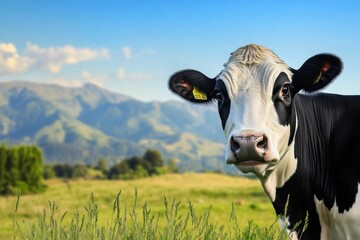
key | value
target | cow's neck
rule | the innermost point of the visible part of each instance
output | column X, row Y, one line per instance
column 283, row 171
column 316, row 116
column 310, row 135
column 328, row 125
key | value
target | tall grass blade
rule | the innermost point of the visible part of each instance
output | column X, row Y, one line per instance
column 168, row 224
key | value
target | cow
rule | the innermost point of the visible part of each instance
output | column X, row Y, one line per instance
column 304, row 146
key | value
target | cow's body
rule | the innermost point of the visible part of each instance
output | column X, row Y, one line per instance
column 305, row 149
column 326, row 181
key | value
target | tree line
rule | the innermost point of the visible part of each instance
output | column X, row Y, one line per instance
column 21, row 168
column 150, row 164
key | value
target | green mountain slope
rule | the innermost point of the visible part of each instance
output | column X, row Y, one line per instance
column 84, row 124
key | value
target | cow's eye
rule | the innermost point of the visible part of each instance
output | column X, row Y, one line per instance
column 219, row 96
column 285, row 90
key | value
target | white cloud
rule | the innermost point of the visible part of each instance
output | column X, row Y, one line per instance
column 51, row 59
column 127, row 52
column 122, row 74
column 7, row 48
column 94, row 79
column 85, row 77
column 85, row 74
column 11, row 61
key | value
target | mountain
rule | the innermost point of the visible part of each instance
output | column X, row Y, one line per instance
column 86, row 123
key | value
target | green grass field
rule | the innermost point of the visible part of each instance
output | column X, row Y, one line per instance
column 203, row 190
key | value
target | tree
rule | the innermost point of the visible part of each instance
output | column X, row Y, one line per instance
column 119, row 169
column 12, row 164
column 154, row 157
column 79, row 170
column 31, row 167
column 135, row 167
column 140, row 172
column 172, row 165
column 49, row 172
column 133, row 162
column 63, row 170
column 20, row 169
column 3, row 158
column 102, row 166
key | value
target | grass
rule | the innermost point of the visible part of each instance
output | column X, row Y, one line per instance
column 188, row 206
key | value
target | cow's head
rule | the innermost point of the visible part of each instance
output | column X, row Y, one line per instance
column 255, row 94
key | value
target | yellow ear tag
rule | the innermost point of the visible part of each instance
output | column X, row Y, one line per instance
column 198, row 95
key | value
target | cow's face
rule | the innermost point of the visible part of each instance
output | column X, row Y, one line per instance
column 255, row 94
column 255, row 106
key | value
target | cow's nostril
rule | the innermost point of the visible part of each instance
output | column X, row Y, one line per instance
column 234, row 146
column 263, row 143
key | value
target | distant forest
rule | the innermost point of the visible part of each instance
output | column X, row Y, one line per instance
column 22, row 169
column 150, row 164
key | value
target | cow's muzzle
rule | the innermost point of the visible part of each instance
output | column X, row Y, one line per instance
column 249, row 147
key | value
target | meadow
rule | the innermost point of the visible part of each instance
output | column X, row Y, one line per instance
column 217, row 195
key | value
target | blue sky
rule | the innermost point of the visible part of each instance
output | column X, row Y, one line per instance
column 132, row 47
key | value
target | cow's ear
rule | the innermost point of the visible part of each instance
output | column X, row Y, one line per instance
column 317, row 72
column 192, row 85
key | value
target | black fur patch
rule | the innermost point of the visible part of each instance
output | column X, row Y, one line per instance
column 317, row 72
column 284, row 106
column 326, row 145
column 223, row 103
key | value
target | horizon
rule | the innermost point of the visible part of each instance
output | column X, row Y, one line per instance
column 133, row 48
column 85, row 84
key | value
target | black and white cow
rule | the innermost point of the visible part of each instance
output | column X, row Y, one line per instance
column 304, row 148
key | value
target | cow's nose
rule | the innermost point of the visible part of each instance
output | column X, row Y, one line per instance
column 261, row 143
column 247, row 146
column 235, row 144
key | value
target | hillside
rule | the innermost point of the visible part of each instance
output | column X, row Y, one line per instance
column 86, row 123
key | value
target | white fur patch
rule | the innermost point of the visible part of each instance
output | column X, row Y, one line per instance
column 249, row 77
column 284, row 169
column 284, row 223
column 335, row 225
